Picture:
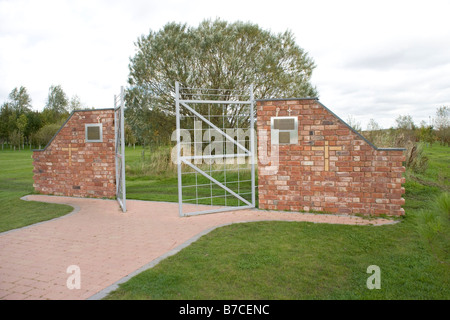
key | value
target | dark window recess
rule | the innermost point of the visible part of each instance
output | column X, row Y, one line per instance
column 284, row 124
column 93, row 133
column 76, row 187
column 284, row 137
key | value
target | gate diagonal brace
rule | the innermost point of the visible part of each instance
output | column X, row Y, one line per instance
column 216, row 182
column 240, row 146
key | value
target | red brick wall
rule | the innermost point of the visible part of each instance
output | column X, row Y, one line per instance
column 90, row 170
column 332, row 170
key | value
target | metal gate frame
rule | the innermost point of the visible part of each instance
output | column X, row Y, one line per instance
column 119, row 133
column 185, row 159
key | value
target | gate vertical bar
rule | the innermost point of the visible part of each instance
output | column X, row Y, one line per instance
column 119, row 144
column 122, row 146
column 178, row 128
column 252, row 145
column 115, row 144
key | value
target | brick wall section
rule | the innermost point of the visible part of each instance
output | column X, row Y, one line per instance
column 90, row 170
column 332, row 168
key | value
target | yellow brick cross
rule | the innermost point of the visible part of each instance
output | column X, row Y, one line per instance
column 70, row 152
column 326, row 149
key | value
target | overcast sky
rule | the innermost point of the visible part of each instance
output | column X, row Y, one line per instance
column 375, row 59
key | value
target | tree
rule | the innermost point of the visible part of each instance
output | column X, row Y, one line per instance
column 5, row 114
column 426, row 133
column 405, row 122
column 18, row 104
column 56, row 106
column 442, row 125
column 12, row 123
column 373, row 125
column 21, row 125
column 216, row 55
column 14, row 139
column 75, row 104
column 20, row 100
column 373, row 132
column 352, row 122
column 150, row 126
column 34, row 123
column 47, row 132
column 405, row 130
column 130, row 138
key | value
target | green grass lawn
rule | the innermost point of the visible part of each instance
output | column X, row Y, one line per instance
column 16, row 181
column 288, row 260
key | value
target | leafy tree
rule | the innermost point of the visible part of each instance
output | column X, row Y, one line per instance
column 405, row 130
column 20, row 100
column 12, row 122
column 373, row 125
column 426, row 133
column 5, row 114
column 22, row 122
column 34, row 123
column 19, row 103
column 373, row 132
column 215, row 55
column 442, row 125
column 75, row 104
column 44, row 134
column 352, row 122
column 14, row 138
column 150, row 126
column 405, row 122
column 56, row 106
column 130, row 138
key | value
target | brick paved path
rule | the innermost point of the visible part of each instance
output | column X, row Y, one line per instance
column 107, row 245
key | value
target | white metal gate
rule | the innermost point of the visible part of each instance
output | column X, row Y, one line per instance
column 215, row 150
column 119, row 131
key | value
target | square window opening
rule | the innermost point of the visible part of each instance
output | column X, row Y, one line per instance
column 94, row 132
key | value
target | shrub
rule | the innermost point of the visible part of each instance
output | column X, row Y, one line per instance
column 14, row 138
column 415, row 158
column 46, row 133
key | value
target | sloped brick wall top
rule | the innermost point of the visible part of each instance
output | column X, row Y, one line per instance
column 331, row 169
column 70, row 166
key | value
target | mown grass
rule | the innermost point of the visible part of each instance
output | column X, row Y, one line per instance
column 16, row 181
column 288, row 260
